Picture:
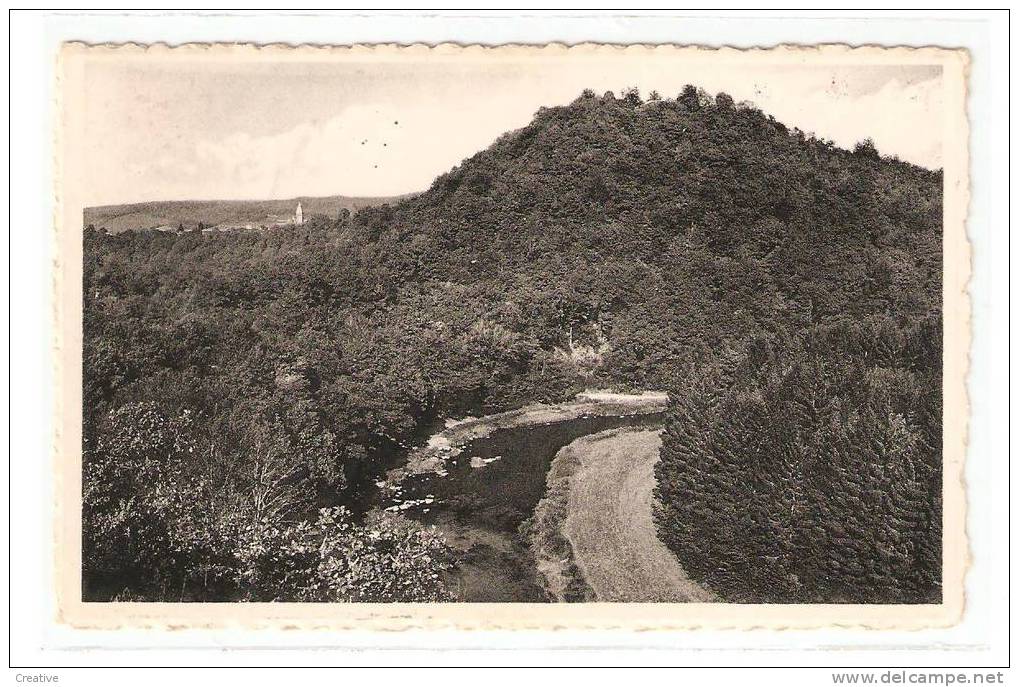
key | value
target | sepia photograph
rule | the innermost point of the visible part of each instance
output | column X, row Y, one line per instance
column 434, row 341
column 657, row 327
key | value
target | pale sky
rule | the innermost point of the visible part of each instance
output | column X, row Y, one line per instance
column 188, row 129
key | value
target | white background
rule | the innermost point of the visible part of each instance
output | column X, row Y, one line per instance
column 37, row 643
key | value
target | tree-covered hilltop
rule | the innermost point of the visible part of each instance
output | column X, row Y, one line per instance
column 614, row 241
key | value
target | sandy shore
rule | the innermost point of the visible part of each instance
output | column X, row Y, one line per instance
column 606, row 547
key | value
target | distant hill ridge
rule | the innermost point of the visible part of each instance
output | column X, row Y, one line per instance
column 172, row 213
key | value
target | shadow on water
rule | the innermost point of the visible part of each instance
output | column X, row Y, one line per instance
column 490, row 489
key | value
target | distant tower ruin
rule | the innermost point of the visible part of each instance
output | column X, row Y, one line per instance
column 298, row 215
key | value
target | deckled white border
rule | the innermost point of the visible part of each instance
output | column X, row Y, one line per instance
column 527, row 616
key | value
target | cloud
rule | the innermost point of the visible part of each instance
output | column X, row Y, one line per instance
column 368, row 150
column 383, row 137
column 903, row 120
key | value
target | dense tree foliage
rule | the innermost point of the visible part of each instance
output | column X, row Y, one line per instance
column 810, row 471
column 250, row 379
column 386, row 558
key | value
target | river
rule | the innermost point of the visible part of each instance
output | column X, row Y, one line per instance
column 479, row 497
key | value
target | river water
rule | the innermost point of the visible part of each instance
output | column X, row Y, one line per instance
column 489, row 490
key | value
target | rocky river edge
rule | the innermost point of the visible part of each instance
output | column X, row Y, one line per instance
column 445, row 445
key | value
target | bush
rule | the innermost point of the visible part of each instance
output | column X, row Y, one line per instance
column 153, row 529
column 145, row 523
column 387, row 558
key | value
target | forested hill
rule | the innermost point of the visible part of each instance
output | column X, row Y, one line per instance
column 666, row 168
column 611, row 242
column 752, row 214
